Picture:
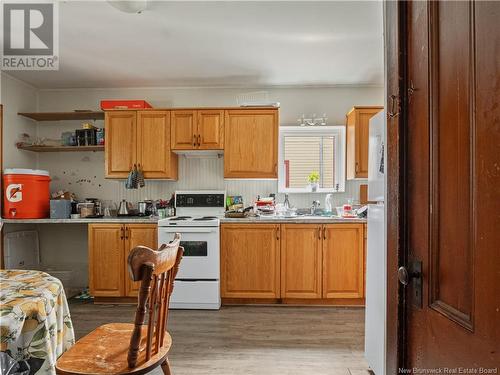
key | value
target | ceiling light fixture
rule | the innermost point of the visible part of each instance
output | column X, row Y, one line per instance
column 303, row 121
column 126, row 6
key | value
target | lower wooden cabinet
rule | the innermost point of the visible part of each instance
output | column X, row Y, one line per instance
column 343, row 261
column 293, row 261
column 250, row 261
column 109, row 246
column 301, row 261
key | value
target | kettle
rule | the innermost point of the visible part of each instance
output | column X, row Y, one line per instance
column 329, row 203
column 123, row 209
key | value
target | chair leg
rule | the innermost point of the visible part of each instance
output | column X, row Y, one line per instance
column 165, row 366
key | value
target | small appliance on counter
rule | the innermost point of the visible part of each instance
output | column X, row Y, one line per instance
column 123, row 209
column 26, row 194
column 60, row 209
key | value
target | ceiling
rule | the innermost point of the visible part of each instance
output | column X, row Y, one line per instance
column 223, row 44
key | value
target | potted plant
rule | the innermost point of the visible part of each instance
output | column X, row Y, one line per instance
column 313, row 180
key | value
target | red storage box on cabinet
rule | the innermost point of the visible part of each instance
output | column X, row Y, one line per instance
column 26, row 194
column 124, row 104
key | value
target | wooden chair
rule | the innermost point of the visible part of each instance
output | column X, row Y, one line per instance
column 125, row 348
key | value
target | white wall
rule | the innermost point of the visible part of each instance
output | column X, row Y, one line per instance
column 17, row 96
column 83, row 173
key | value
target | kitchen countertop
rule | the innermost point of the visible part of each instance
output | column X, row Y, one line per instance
column 125, row 220
column 147, row 220
column 291, row 220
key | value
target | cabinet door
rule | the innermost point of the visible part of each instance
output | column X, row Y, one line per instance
column 251, row 143
column 184, row 130
column 250, row 261
column 301, row 261
column 106, row 272
column 137, row 235
column 153, row 145
column 343, row 263
column 121, row 141
column 210, row 130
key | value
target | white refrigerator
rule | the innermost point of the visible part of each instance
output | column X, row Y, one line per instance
column 376, row 254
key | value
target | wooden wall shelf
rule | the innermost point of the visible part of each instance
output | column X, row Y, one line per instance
column 61, row 148
column 61, row 116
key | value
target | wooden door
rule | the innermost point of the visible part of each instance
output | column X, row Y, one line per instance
column 250, row 261
column 251, row 143
column 343, row 263
column 121, row 143
column 106, row 259
column 153, row 145
column 301, row 260
column 210, row 133
column 184, row 130
column 137, row 235
column 453, row 185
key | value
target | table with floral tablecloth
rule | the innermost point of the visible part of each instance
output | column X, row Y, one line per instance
column 35, row 322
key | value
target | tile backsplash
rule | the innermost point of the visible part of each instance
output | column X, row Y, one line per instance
column 194, row 174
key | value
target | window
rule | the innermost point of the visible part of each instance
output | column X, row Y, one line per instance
column 306, row 150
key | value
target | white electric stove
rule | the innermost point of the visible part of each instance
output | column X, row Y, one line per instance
column 197, row 285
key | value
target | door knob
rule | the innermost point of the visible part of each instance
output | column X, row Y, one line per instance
column 405, row 277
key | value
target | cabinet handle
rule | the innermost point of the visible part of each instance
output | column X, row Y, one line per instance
column 122, row 233
column 199, row 140
column 324, row 233
column 277, row 233
column 319, row 233
column 194, row 140
column 357, row 167
column 126, row 233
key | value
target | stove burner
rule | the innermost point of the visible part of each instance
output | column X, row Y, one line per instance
column 205, row 218
column 180, row 218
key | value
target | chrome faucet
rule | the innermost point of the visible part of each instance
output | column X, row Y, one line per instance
column 314, row 207
column 286, row 203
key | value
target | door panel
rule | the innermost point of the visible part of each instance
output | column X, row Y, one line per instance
column 251, row 144
column 137, row 235
column 153, row 146
column 250, row 261
column 452, row 153
column 301, row 261
column 120, row 145
column 343, row 263
column 184, row 130
column 106, row 259
column 210, row 129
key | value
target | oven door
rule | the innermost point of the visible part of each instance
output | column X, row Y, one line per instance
column 201, row 251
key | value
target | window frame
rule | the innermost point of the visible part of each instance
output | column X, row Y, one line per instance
column 338, row 131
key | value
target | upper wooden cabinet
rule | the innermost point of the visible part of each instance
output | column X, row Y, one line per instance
column 250, row 261
column 251, row 143
column 197, row 129
column 301, row 260
column 357, row 123
column 141, row 138
column 343, row 261
column 121, row 143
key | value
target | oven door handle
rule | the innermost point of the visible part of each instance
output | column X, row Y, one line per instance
column 174, row 229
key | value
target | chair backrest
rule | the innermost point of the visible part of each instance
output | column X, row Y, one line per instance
column 156, row 270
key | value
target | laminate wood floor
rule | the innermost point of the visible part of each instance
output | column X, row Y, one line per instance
column 251, row 339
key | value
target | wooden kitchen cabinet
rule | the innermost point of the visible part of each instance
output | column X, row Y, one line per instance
column 251, row 143
column 357, row 134
column 109, row 247
column 250, row 261
column 301, row 264
column 137, row 235
column 343, row 261
column 197, row 129
column 106, row 260
column 141, row 138
column 121, row 140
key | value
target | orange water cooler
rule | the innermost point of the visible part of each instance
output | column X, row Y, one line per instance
column 26, row 194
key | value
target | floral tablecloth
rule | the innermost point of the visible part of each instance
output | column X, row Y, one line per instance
column 35, row 322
